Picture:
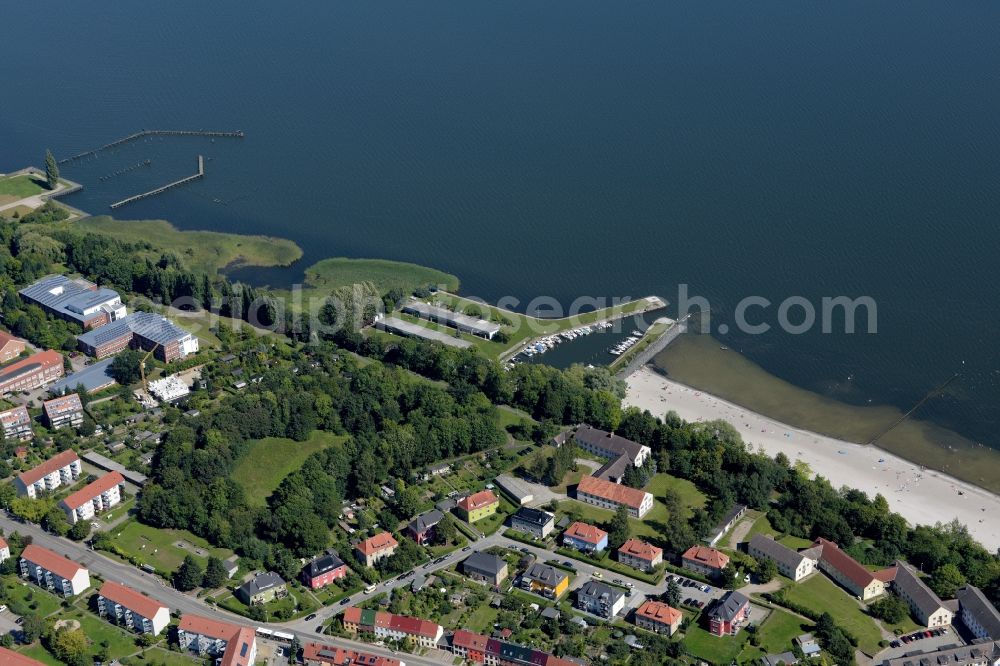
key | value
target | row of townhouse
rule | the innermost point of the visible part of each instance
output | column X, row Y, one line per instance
column 229, row 644
column 479, row 649
column 318, row 654
column 391, row 626
column 94, row 498
column 61, row 469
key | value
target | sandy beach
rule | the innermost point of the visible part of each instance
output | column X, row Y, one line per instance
column 921, row 496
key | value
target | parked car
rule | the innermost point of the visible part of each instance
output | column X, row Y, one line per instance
column 311, row 616
column 345, row 601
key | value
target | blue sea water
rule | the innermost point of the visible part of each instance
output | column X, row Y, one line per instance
column 573, row 148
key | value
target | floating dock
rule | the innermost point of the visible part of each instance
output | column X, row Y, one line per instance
column 168, row 186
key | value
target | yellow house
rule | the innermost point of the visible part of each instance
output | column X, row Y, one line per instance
column 478, row 506
column 545, row 580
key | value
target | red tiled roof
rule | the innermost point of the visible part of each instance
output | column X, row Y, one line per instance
column 658, row 612
column 50, row 561
column 886, row 575
column 6, row 338
column 45, row 359
column 239, row 648
column 337, row 656
column 196, row 624
column 584, row 532
column 709, row 557
column 611, row 491
column 469, row 641
column 54, row 463
column 93, row 489
column 379, row 542
column 11, row 658
column 413, row 625
column 641, row 550
column 131, row 599
column 352, row 615
column 3, row 544
column 844, row 563
column 477, row 500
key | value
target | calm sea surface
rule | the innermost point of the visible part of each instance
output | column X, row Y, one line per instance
column 574, row 148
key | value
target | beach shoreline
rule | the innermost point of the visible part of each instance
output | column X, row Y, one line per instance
column 921, row 495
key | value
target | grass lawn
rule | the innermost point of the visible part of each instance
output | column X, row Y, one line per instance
column 120, row 642
column 206, row 251
column 13, row 188
column 270, row 460
column 155, row 547
column 779, row 629
column 719, row 650
column 481, row 620
column 38, row 653
column 820, row 594
column 763, row 526
column 25, row 596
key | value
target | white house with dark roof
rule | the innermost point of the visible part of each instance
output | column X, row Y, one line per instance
column 926, row 607
column 977, row 613
column 789, row 563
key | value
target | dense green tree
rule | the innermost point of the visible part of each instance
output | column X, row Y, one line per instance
column 946, row 579
column 51, row 170
column 673, row 594
column 890, row 608
column 189, row 575
column 766, row 570
column 80, row 530
column 215, row 574
column 126, row 368
column 618, row 528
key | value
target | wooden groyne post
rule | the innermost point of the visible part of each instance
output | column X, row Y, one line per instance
column 168, row 186
column 238, row 134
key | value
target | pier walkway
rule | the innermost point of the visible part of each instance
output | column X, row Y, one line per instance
column 168, row 186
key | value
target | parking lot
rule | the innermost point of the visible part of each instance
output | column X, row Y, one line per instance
column 694, row 591
column 947, row 638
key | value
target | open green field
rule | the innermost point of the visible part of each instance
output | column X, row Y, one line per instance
column 156, row 547
column 649, row 526
column 820, row 594
column 270, row 460
column 24, row 598
column 718, row 650
column 161, row 657
column 649, row 337
column 329, row 274
column 13, row 188
column 778, row 630
column 206, row 251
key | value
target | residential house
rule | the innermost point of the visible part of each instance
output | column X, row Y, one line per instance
column 780, row 659
column 376, row 548
column 16, row 424
column 978, row 615
column 977, row 654
column 585, row 537
column 318, row 654
column 608, row 495
column 76, row 300
column 209, row 637
column 925, row 606
column 10, row 347
column 393, row 627
column 600, row 599
column 640, row 555
column 534, row 522
column 485, row 567
column 609, row 445
column 545, row 580
column 729, row 614
column 658, row 617
column 845, row 570
column 808, row 644
column 478, row 505
column 94, row 498
column 53, row 572
column 66, row 410
column 30, row 373
column 62, row 468
column 323, row 570
column 423, row 528
column 11, row 658
column 704, row 560
column 479, row 649
column 788, row 562
column 128, row 608
column 4, row 550
column 262, row 588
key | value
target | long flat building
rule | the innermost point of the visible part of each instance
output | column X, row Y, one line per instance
column 30, row 373
column 132, row 609
column 78, row 300
column 94, row 498
column 462, row 322
column 410, row 330
column 93, row 378
column 53, row 571
column 978, row 615
column 925, row 605
column 61, row 468
column 143, row 330
column 977, row 654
